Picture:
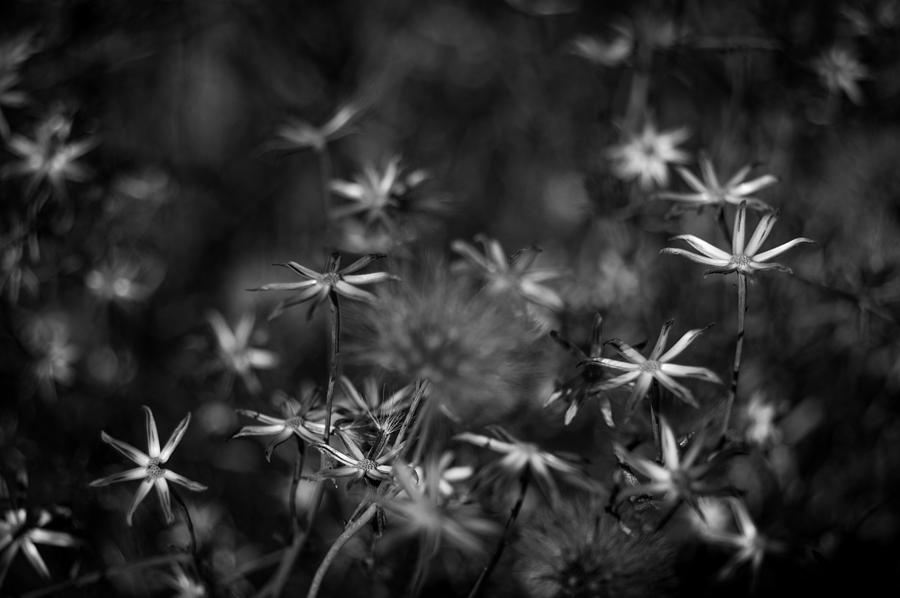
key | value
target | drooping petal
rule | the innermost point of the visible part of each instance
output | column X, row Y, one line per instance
column 175, row 438
column 613, row 363
column 351, row 292
column 165, row 500
column 126, row 449
column 638, row 392
column 336, row 454
column 677, row 389
column 183, row 481
column 152, row 434
column 286, row 286
column 620, row 380
column 34, row 557
column 139, row 496
column 123, row 476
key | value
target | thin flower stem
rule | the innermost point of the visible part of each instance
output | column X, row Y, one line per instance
column 335, row 369
column 295, row 483
column 418, row 395
column 187, row 519
column 348, row 533
column 654, row 418
column 97, row 576
column 504, row 538
column 738, row 352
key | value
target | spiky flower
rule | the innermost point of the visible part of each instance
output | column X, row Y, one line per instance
column 646, row 156
column 298, row 134
column 710, row 192
column 21, row 531
column 299, row 419
column 235, row 352
column 841, row 71
column 526, row 459
column 374, row 466
column 745, row 257
column 334, row 281
column 376, row 194
column 49, row 157
column 749, row 545
column 679, row 478
column 511, row 275
column 150, row 466
column 578, row 550
column 643, row 371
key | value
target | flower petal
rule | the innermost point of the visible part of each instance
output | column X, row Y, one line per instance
column 183, row 481
column 683, row 343
column 638, row 392
column 740, row 230
column 165, row 500
column 351, row 292
column 126, row 449
column 175, row 438
column 704, row 247
column 766, row 223
column 34, row 557
column 361, row 263
column 688, row 371
column 370, row 278
column 661, row 340
column 123, row 476
column 677, row 389
column 152, row 434
column 700, row 259
column 139, row 496
column 767, row 255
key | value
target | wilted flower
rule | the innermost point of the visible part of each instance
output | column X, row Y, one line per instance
column 235, row 351
column 150, row 466
column 513, row 274
column 678, row 478
column 334, row 281
column 841, row 71
column 588, row 383
column 49, row 157
column 642, row 371
column 299, row 135
column 745, row 259
column 299, row 418
column 526, row 459
column 578, row 550
column 646, row 156
column 710, row 192
column 19, row 532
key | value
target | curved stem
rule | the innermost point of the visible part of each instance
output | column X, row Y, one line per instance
column 187, row 519
column 738, row 353
column 335, row 359
column 346, row 535
column 504, row 538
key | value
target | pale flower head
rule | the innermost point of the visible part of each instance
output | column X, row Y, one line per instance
column 20, row 531
column 150, row 468
column 840, row 71
column 645, row 156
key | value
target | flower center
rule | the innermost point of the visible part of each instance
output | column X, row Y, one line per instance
column 366, row 465
column 649, row 366
column 741, row 262
column 330, row 278
column 154, row 471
